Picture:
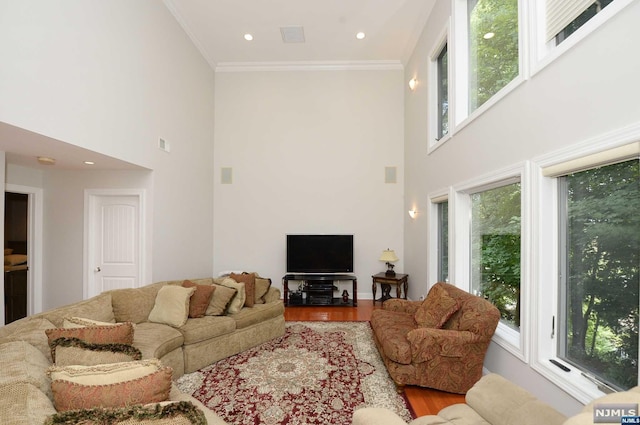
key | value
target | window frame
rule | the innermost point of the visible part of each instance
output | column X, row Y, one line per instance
column 514, row 341
column 435, row 199
column 545, row 259
column 443, row 40
column 544, row 53
column 459, row 114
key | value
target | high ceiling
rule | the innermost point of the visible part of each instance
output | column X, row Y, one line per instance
column 217, row 28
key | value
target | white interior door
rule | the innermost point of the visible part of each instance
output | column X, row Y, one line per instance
column 114, row 242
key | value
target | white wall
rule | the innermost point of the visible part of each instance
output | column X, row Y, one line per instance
column 308, row 150
column 114, row 77
column 589, row 91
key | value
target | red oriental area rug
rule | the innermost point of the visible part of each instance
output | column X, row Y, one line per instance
column 317, row 373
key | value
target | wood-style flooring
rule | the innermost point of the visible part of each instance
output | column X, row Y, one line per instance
column 424, row 401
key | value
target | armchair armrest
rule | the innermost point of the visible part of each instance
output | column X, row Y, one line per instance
column 402, row 306
column 428, row 343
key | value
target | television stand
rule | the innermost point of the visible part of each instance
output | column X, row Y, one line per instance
column 318, row 289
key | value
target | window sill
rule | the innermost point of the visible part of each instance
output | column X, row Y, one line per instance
column 572, row 382
column 437, row 143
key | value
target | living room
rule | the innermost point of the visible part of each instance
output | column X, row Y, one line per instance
column 307, row 148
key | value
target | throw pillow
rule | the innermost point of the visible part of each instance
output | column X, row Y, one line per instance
column 262, row 287
column 110, row 385
column 166, row 413
column 249, row 280
column 238, row 301
column 220, row 301
column 122, row 333
column 81, row 322
column 172, row 306
column 200, row 299
column 436, row 309
column 73, row 351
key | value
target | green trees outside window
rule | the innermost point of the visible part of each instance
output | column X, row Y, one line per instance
column 493, row 48
column 495, row 249
column 600, row 217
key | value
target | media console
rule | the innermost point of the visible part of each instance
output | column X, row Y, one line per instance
column 318, row 289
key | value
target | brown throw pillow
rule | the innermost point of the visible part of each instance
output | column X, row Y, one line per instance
column 110, row 385
column 221, row 299
column 200, row 299
column 249, row 280
column 119, row 334
column 436, row 309
column 262, row 287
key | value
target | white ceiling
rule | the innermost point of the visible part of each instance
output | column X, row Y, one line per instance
column 217, row 27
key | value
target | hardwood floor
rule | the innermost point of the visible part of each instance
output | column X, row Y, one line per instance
column 424, row 401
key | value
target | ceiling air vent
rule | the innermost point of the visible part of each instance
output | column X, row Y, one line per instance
column 292, row 34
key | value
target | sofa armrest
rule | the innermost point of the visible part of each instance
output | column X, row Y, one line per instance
column 428, row 343
column 272, row 295
column 401, row 306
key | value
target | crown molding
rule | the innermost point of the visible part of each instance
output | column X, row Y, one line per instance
column 388, row 65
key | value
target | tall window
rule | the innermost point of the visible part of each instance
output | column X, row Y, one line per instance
column 443, row 93
column 599, row 257
column 493, row 48
column 443, row 241
column 495, row 249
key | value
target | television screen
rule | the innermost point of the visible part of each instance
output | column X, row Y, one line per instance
column 319, row 253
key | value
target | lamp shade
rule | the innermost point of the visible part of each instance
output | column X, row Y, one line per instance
column 389, row 256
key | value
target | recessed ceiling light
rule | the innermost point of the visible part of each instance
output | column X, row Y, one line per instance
column 360, row 35
column 248, row 37
column 89, row 162
column 489, row 35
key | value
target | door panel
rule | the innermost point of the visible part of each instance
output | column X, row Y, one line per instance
column 115, row 242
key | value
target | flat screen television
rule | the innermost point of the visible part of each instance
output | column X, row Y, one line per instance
column 319, row 253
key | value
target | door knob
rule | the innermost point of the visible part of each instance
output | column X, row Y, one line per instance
column 98, row 269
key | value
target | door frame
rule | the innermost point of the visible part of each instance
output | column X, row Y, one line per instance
column 34, row 244
column 90, row 200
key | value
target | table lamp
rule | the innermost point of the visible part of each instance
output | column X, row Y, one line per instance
column 388, row 256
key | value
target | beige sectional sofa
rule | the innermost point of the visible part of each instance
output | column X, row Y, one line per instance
column 25, row 356
column 494, row 400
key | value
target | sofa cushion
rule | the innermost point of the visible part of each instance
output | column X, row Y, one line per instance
column 96, row 308
column 238, row 301
column 24, row 403
column 436, row 309
column 155, row 340
column 172, row 305
column 31, row 330
column 257, row 314
column 249, row 280
column 220, row 300
column 22, row 362
column 166, row 413
column 203, row 328
column 110, row 385
column 501, row 402
column 200, row 299
column 118, row 334
column 391, row 329
column 134, row 304
column 73, row 351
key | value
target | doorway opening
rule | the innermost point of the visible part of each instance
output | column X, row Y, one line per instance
column 16, row 248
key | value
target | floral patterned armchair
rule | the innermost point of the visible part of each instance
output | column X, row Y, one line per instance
column 437, row 343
